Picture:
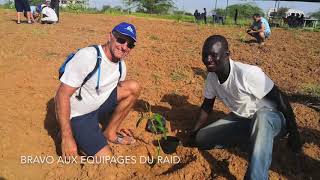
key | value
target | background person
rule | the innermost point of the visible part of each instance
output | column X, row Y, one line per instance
column 236, row 17
column 204, row 15
column 33, row 13
column 259, row 29
column 22, row 6
column 55, row 6
column 196, row 15
column 48, row 15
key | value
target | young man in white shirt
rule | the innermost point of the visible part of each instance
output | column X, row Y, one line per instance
column 80, row 107
column 259, row 114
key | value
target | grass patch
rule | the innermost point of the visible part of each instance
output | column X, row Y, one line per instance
column 242, row 37
column 154, row 37
column 296, row 36
column 317, row 51
column 156, row 77
column 310, row 29
column 178, row 17
column 51, row 54
column 178, row 76
column 312, row 89
column 38, row 32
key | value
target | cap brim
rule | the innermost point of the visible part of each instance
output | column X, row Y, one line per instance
column 126, row 34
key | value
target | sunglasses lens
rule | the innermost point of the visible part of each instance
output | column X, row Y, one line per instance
column 131, row 45
column 121, row 40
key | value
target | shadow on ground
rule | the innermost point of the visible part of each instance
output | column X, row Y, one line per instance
column 182, row 115
column 308, row 100
column 51, row 125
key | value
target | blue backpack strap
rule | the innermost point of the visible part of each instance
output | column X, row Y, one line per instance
column 120, row 70
column 97, row 67
column 99, row 58
column 63, row 66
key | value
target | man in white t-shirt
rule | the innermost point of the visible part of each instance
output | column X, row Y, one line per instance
column 259, row 110
column 48, row 15
column 80, row 107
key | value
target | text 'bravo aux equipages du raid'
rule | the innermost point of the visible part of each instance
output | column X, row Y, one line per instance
column 99, row 160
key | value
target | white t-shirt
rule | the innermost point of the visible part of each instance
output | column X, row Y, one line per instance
column 50, row 13
column 79, row 67
column 243, row 91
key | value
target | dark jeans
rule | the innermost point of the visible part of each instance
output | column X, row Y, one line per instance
column 55, row 5
column 258, row 133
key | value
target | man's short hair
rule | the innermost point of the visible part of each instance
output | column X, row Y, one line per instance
column 214, row 39
column 256, row 15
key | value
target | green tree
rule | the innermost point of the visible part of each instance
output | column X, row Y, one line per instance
column 220, row 11
column 244, row 10
column 316, row 14
column 106, row 8
column 36, row 2
column 9, row 4
column 150, row 6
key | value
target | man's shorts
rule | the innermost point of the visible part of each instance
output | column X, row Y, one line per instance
column 267, row 34
column 86, row 131
column 22, row 5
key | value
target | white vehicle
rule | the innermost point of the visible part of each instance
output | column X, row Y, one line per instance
column 273, row 11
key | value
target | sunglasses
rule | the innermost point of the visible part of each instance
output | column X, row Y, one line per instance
column 122, row 40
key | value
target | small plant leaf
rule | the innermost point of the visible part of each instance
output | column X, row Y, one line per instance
column 158, row 151
column 162, row 129
column 140, row 119
column 158, row 118
column 165, row 134
column 154, row 128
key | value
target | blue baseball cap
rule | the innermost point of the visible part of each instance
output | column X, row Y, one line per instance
column 38, row 9
column 126, row 29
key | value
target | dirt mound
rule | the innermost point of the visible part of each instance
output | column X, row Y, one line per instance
column 167, row 63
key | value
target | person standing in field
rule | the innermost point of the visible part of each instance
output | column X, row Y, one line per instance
column 22, row 6
column 204, row 14
column 236, row 17
column 260, row 113
column 55, row 6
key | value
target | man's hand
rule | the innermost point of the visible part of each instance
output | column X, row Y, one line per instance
column 69, row 147
column 294, row 141
column 62, row 107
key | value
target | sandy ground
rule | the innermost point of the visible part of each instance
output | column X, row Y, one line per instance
column 167, row 63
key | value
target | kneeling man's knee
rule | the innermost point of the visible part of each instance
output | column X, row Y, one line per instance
column 134, row 87
column 105, row 151
column 200, row 140
column 130, row 87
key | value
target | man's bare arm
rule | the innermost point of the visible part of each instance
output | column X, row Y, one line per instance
column 262, row 29
column 62, row 105
column 205, row 110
